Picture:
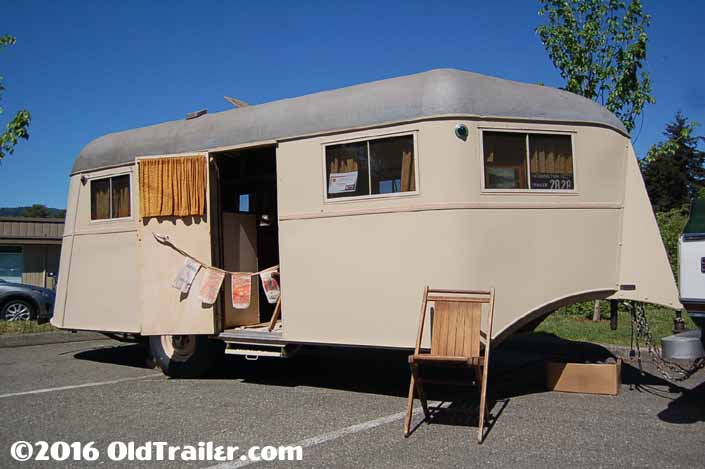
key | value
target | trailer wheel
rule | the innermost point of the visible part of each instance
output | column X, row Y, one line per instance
column 185, row 356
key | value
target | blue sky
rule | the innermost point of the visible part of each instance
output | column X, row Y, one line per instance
column 85, row 69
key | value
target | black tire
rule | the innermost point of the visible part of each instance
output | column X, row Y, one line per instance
column 18, row 310
column 185, row 356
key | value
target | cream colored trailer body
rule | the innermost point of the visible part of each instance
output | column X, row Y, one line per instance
column 353, row 269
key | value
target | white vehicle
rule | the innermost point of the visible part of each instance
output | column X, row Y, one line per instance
column 691, row 262
column 362, row 195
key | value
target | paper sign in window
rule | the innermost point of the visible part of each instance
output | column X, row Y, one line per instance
column 339, row 183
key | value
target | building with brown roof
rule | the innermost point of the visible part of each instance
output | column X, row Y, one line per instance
column 30, row 250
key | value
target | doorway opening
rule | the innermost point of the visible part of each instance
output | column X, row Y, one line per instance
column 245, row 231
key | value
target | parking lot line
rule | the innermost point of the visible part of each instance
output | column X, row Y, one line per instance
column 331, row 436
column 77, row 386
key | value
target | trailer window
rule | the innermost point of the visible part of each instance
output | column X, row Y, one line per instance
column 372, row 167
column 110, row 197
column 243, row 203
column 348, row 175
column 551, row 162
column 528, row 161
column 505, row 160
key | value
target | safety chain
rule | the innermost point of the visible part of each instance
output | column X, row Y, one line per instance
column 642, row 330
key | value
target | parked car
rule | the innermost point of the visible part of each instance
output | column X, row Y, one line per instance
column 20, row 302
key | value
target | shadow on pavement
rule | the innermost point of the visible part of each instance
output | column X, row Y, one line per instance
column 132, row 355
column 358, row 370
column 517, row 369
column 688, row 408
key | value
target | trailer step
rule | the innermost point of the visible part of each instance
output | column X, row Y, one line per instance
column 260, row 336
column 253, row 352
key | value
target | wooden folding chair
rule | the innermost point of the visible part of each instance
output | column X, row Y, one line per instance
column 456, row 339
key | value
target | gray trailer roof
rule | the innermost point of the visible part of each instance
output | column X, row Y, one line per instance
column 433, row 93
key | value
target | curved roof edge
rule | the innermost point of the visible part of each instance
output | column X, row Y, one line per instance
column 422, row 95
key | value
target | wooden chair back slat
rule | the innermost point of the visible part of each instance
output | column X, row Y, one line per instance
column 437, row 323
column 455, row 328
column 475, row 317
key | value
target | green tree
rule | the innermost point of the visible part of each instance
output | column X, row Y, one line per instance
column 42, row 211
column 671, row 224
column 599, row 47
column 17, row 127
column 37, row 210
column 673, row 170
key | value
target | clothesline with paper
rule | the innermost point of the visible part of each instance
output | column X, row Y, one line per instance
column 213, row 278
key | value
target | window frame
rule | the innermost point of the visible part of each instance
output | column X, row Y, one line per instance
column 369, row 138
column 569, row 133
column 109, row 177
column 249, row 203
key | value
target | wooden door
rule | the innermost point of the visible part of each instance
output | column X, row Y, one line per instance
column 165, row 310
column 240, row 255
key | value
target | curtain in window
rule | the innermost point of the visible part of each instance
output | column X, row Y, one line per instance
column 347, row 158
column 551, row 154
column 100, row 199
column 343, row 165
column 408, row 178
column 121, row 196
column 173, row 187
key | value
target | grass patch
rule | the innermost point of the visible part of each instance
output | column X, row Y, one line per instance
column 575, row 323
column 24, row 327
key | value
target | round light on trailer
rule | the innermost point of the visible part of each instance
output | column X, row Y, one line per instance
column 461, row 131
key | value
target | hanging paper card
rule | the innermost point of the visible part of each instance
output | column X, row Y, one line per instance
column 185, row 277
column 342, row 182
column 241, row 287
column 270, row 285
column 212, row 280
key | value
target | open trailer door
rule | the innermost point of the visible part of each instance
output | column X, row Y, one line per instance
column 173, row 193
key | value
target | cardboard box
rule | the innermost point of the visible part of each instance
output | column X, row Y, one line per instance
column 588, row 378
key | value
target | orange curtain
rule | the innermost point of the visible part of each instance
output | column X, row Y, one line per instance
column 121, row 196
column 173, row 187
column 100, row 199
column 551, row 154
column 343, row 165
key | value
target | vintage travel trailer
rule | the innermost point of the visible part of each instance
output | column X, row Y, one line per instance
column 363, row 196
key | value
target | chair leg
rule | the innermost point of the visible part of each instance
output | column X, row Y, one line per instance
column 420, row 391
column 409, row 406
column 483, row 404
column 277, row 313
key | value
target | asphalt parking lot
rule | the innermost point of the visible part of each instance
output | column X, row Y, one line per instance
column 346, row 407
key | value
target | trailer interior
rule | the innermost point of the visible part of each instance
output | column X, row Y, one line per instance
column 245, row 238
